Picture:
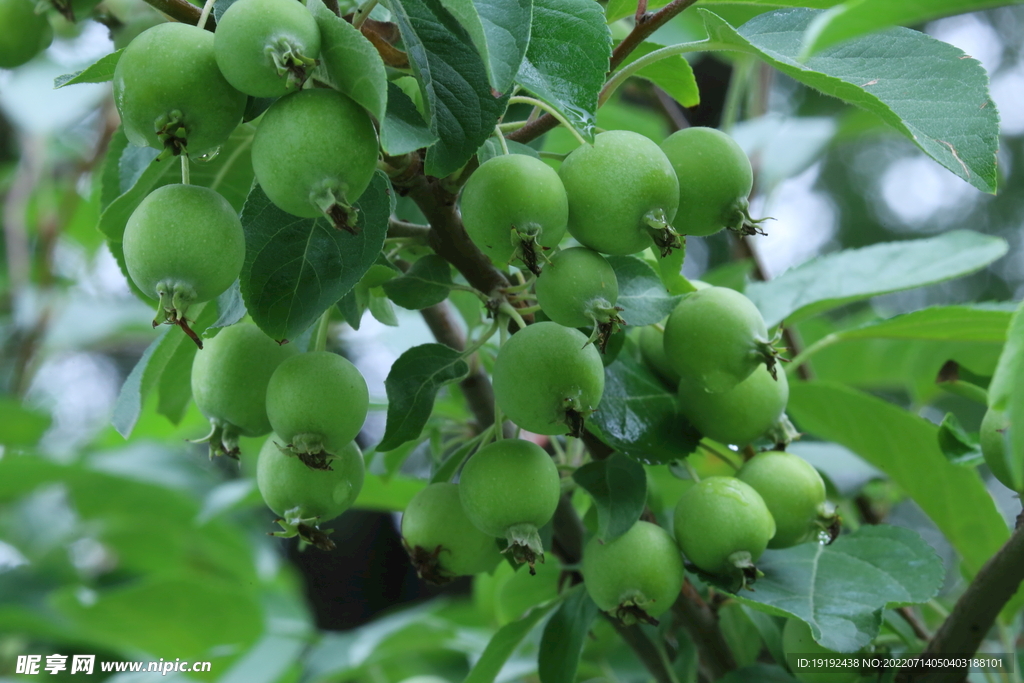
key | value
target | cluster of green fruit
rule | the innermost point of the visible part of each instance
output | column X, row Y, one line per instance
column 509, row 489
column 183, row 90
column 310, row 470
column 620, row 195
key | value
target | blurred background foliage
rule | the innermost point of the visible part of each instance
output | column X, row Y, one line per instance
column 146, row 549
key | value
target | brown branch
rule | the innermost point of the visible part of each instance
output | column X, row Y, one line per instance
column 645, row 650
column 449, row 239
column 976, row 611
column 645, row 26
column 477, row 386
column 183, row 11
column 701, row 623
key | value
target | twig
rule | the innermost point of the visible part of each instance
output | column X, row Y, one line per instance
column 975, row 612
column 915, row 624
column 183, row 11
column 397, row 228
column 645, row 26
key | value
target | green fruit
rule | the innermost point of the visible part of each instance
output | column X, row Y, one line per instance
column 513, row 206
column 23, row 33
column 715, row 180
column 183, row 245
column 441, row 540
column 993, row 447
column 740, row 415
column 314, row 154
column 723, row 526
column 229, row 384
column 266, row 48
column 509, row 489
column 798, row 640
column 304, row 497
column 715, row 338
column 548, row 379
column 635, row 577
column 622, row 194
column 578, row 288
column 170, row 93
column 652, row 351
column 794, row 493
column 317, row 402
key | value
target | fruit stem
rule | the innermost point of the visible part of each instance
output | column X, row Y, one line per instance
column 475, row 346
column 691, row 471
column 207, row 8
column 321, row 331
column 363, row 13
column 186, row 178
column 519, row 99
column 501, row 139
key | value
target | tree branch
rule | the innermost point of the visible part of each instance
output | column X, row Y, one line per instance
column 448, row 237
column 976, row 611
column 183, row 11
column 646, row 25
column 701, row 623
column 477, row 386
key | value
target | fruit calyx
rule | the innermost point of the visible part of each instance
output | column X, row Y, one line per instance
column 223, row 439
column 171, row 130
column 630, row 612
column 294, row 524
column 527, row 248
column 524, row 545
column 290, row 62
column 606, row 322
column 309, row 448
column 739, row 220
column 661, row 231
column 427, row 563
column 175, row 299
column 742, row 561
column 330, row 200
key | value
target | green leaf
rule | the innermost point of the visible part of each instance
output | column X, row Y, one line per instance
column 856, row 17
column 672, row 74
column 352, row 62
column 425, row 284
column 939, row 323
column 851, row 275
column 500, row 30
column 504, row 643
column 20, row 426
column 758, row 673
column 295, row 268
column 456, row 92
column 570, row 50
column 564, row 636
column 381, row 308
column 139, row 174
column 959, row 447
column 99, row 72
column 929, row 91
column 148, row 371
column 642, row 295
column 412, row 385
column 638, row 415
column 905, row 448
column 1006, row 392
column 403, row 130
column 387, row 495
column 174, row 388
column 841, row 589
column 353, row 305
column 618, row 486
